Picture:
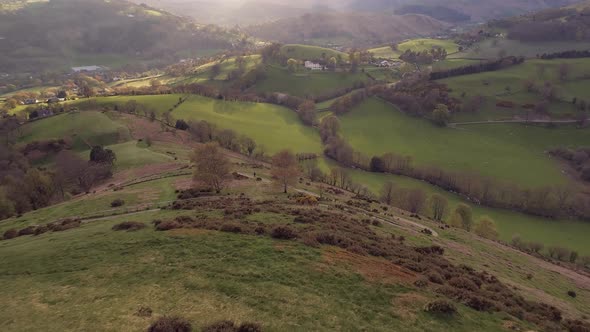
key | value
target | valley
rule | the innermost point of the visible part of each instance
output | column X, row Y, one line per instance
column 314, row 166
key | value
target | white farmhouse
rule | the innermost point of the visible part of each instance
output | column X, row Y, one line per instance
column 313, row 66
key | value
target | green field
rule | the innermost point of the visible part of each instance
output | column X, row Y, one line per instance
column 273, row 126
column 508, row 84
column 428, row 44
column 384, row 52
column 493, row 47
column 306, row 83
column 203, row 73
column 84, row 129
column 505, row 152
column 453, row 63
column 307, row 52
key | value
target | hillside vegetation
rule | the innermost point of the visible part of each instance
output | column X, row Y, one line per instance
column 54, row 35
column 352, row 29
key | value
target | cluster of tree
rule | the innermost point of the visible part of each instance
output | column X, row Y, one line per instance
column 416, row 95
column 551, row 202
column 348, row 102
column 479, row 68
column 24, row 187
column 307, row 112
column 205, row 132
column 553, row 252
column 572, row 54
column 578, row 159
column 425, row 57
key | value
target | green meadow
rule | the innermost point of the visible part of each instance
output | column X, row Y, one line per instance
column 493, row 47
column 272, row 126
column 306, row 83
column 509, row 84
column 307, row 52
column 422, row 44
column 502, row 151
column 83, row 128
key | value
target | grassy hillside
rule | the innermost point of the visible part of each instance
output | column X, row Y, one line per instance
column 306, row 83
column 84, row 129
column 484, row 149
column 422, row 44
column 273, row 126
column 306, row 52
column 509, row 84
column 493, row 47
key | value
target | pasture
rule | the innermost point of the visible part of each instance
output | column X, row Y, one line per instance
column 83, row 129
column 494, row 47
column 307, row 52
column 306, row 83
column 501, row 151
column 509, row 85
column 272, row 126
column 422, row 44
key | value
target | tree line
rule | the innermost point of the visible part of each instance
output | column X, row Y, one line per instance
column 478, row 68
column 549, row 202
column 24, row 187
column 571, row 54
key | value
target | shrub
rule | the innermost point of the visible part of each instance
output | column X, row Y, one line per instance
column 144, row 312
column 27, row 231
column 170, row 324
column 283, row 233
column 572, row 294
column 250, row 327
column 229, row 326
column 117, row 203
column 230, row 228
column 41, row 229
column 479, row 303
column 435, row 277
column 10, row 234
column 421, row 283
column 129, row 226
column 463, row 283
column 168, row 225
column 440, row 307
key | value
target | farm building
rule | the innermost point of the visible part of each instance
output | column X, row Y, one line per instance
column 86, row 69
column 313, row 66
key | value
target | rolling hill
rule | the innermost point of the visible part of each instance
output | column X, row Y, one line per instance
column 350, row 29
column 51, row 36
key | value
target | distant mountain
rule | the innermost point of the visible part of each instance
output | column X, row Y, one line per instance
column 231, row 13
column 477, row 10
column 49, row 35
column 363, row 29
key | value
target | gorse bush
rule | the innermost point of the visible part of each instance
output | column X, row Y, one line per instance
column 170, row 324
column 440, row 307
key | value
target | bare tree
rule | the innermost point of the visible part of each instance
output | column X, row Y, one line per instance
column 212, row 167
column 388, row 193
column 285, row 168
column 438, row 204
